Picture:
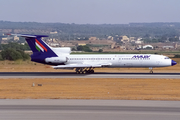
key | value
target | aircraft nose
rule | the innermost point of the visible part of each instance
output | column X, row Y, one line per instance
column 173, row 62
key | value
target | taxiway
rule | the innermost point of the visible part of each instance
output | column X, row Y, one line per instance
column 89, row 109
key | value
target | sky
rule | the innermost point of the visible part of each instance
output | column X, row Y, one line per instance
column 90, row 11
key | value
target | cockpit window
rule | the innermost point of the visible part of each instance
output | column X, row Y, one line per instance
column 166, row 58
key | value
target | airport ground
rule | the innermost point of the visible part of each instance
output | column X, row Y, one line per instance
column 88, row 88
column 87, row 98
column 65, row 109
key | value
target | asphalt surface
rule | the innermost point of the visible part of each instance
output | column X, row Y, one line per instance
column 89, row 109
column 95, row 75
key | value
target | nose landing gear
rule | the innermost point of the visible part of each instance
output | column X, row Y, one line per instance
column 151, row 70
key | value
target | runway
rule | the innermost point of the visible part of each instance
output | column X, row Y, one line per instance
column 95, row 75
column 88, row 110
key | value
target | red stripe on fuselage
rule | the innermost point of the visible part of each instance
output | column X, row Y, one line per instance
column 41, row 45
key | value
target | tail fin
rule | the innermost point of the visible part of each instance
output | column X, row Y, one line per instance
column 40, row 49
column 37, row 45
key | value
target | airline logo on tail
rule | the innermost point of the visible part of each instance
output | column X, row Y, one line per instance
column 39, row 46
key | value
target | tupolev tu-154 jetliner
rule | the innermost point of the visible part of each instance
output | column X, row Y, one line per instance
column 61, row 58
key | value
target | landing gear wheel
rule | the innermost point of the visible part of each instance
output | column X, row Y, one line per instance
column 91, row 71
column 85, row 72
column 151, row 71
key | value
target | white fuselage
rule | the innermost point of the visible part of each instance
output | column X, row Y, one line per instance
column 121, row 60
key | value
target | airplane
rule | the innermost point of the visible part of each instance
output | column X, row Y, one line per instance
column 61, row 58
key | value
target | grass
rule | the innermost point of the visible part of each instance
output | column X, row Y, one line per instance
column 91, row 88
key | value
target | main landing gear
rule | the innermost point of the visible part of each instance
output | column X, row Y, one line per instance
column 151, row 70
column 84, row 70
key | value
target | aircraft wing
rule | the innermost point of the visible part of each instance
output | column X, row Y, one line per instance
column 81, row 65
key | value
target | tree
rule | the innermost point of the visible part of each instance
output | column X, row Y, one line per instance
column 73, row 49
column 173, row 39
column 23, row 54
column 84, row 48
column 12, row 54
column 15, row 46
column 176, row 56
column 100, row 50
